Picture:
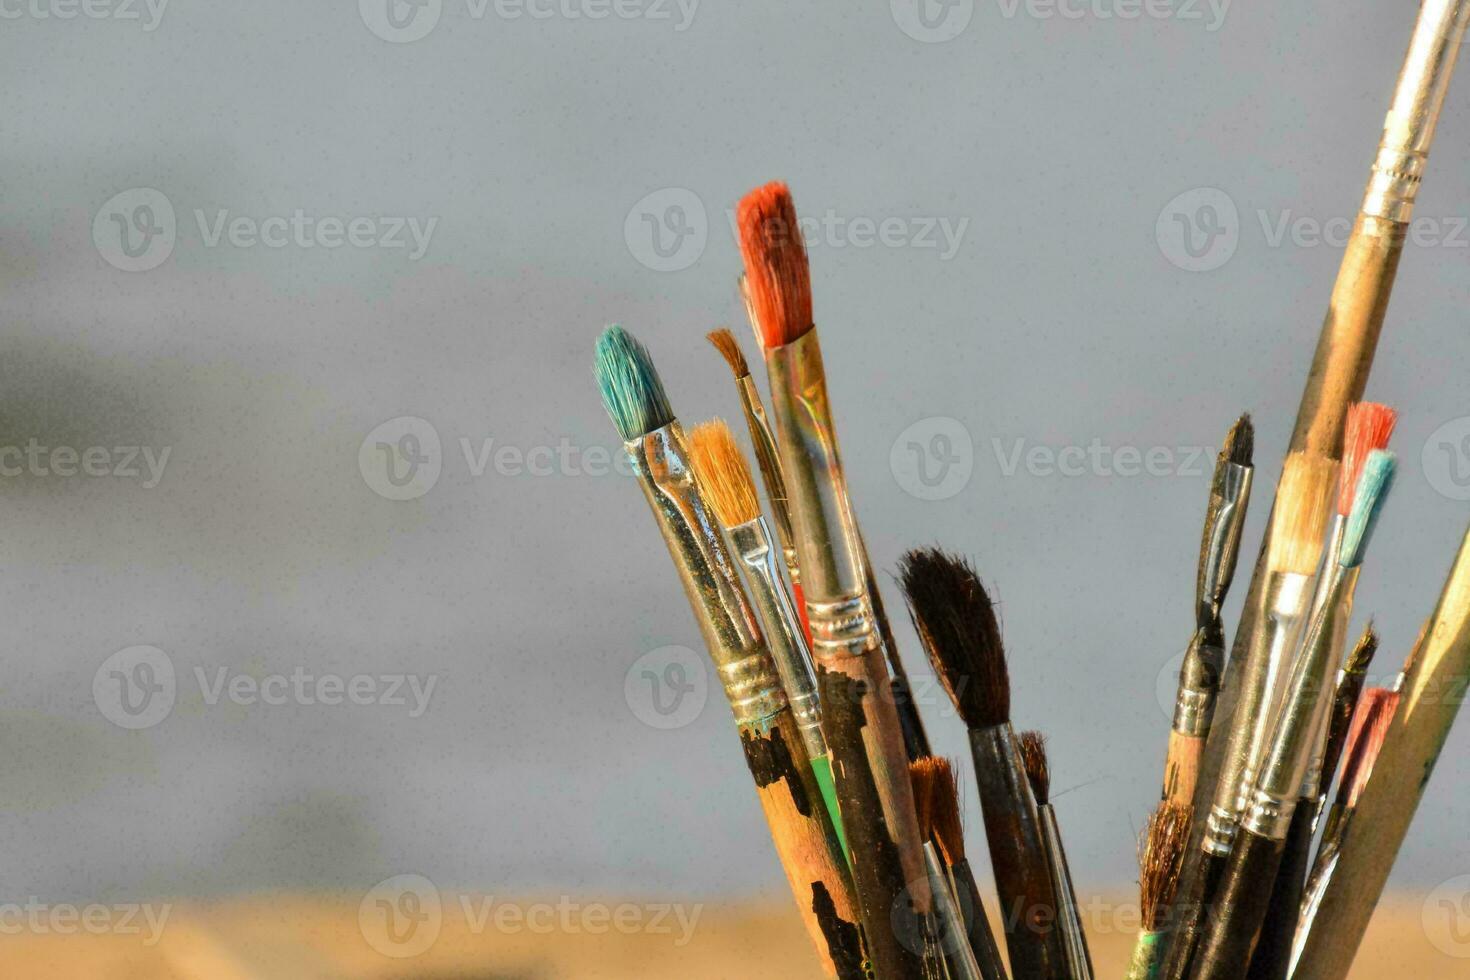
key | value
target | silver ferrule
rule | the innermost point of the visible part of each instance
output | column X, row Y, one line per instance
column 1199, row 683
column 1069, row 919
column 828, row 547
column 1285, row 602
column 1408, row 129
column 1229, row 498
column 1336, row 635
column 953, row 934
column 1302, row 716
column 661, row 462
column 752, row 543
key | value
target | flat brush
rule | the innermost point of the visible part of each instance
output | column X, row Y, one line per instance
column 1069, row 918
column 720, row 469
column 1227, row 945
column 947, row 830
column 1364, row 742
column 804, row 837
column 952, row 937
column 860, row 718
column 1160, row 859
column 1204, row 659
column 956, row 623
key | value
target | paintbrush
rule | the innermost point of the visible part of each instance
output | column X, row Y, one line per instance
column 860, row 718
column 1226, row 946
column 804, row 837
column 1304, row 501
column 947, row 831
column 1348, row 691
column 959, row 960
column 1069, row 919
column 1364, row 742
column 1204, row 659
column 720, row 468
column 956, row 622
column 1355, row 313
column 1369, row 427
column 1160, row 859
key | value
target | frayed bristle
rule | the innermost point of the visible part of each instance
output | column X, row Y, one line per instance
column 1362, row 656
column 720, row 468
column 724, row 342
column 922, row 778
column 1303, row 505
column 956, row 623
column 777, row 277
column 631, row 390
column 1032, row 748
column 947, row 824
column 1417, row 648
column 1240, row 442
column 1373, row 487
column 1380, row 705
column 1369, row 427
column 1160, row 861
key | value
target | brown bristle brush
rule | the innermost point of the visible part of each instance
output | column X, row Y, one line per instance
column 860, row 717
column 936, row 795
column 1069, row 917
column 956, row 621
column 1160, row 859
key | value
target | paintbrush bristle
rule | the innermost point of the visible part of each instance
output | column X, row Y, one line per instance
column 777, row 277
column 1362, row 656
column 631, row 390
column 1240, row 442
column 956, row 622
column 922, row 779
column 720, row 468
column 946, row 822
column 1381, row 705
column 1303, row 505
column 1373, row 487
column 724, row 342
column 1032, row 747
column 1160, row 861
column 1369, row 426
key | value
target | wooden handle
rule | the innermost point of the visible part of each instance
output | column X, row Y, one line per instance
column 1181, row 768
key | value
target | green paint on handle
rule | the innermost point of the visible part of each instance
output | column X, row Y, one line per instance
column 1147, row 956
column 822, row 769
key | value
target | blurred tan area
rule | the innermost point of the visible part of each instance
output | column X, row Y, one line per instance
column 298, row 938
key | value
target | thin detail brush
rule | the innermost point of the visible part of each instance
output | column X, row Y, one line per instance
column 948, row 829
column 1228, row 942
column 956, row 622
column 1204, row 659
column 1160, row 859
column 804, row 837
column 720, row 468
column 1069, row 919
column 952, row 938
column 859, row 715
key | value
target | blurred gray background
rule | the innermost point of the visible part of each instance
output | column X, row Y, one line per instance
column 1144, row 212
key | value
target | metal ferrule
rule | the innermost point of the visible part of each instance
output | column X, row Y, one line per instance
column 1069, row 920
column 769, row 462
column 1303, row 715
column 661, row 462
column 1408, row 129
column 1199, row 682
column 953, row 932
column 1335, row 634
column 1224, row 520
column 833, row 574
column 1285, row 602
column 787, row 640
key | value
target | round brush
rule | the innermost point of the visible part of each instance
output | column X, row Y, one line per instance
column 1160, row 859
column 1069, row 918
